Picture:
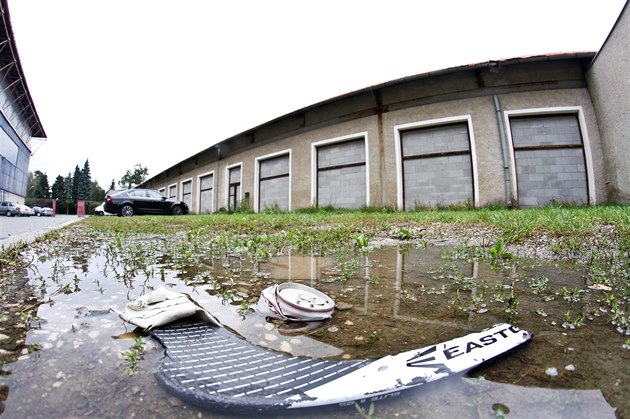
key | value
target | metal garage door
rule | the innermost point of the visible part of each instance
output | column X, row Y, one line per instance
column 273, row 186
column 341, row 174
column 437, row 166
column 187, row 193
column 206, row 193
column 549, row 160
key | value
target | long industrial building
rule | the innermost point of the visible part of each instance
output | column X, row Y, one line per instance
column 19, row 122
column 522, row 132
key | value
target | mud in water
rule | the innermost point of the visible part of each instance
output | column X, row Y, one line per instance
column 65, row 354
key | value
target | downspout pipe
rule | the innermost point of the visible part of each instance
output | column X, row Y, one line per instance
column 504, row 153
column 216, row 185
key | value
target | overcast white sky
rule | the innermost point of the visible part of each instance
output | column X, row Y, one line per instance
column 121, row 82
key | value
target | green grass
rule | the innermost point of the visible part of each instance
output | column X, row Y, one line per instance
column 513, row 225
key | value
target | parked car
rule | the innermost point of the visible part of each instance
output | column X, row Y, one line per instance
column 25, row 210
column 143, row 201
column 100, row 210
column 43, row 211
column 9, row 208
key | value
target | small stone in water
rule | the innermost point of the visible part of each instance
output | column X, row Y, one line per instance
column 342, row 306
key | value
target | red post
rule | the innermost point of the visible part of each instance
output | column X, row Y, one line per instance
column 81, row 208
column 54, row 207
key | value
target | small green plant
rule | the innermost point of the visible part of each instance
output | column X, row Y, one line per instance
column 403, row 234
column 373, row 337
column 541, row 312
column 227, row 295
column 365, row 413
column 244, row 308
column 362, row 241
column 348, row 267
column 133, row 355
column 572, row 296
column 570, row 322
column 539, row 284
column 500, row 410
column 513, row 302
column 497, row 252
column 375, row 279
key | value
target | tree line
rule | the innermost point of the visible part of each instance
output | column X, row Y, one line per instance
column 77, row 185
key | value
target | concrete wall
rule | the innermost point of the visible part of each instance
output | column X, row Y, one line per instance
column 381, row 115
column 609, row 85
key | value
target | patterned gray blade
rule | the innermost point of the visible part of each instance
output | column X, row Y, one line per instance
column 217, row 370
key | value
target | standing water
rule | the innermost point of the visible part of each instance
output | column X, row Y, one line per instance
column 65, row 354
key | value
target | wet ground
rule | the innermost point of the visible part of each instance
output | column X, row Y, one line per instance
column 64, row 354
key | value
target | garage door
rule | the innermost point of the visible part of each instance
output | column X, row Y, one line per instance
column 437, row 166
column 187, row 193
column 273, row 184
column 206, row 193
column 549, row 160
column 341, row 174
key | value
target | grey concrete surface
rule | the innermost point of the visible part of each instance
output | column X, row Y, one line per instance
column 27, row 229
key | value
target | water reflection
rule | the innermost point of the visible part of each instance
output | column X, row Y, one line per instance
column 393, row 300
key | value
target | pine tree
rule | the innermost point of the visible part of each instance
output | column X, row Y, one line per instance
column 85, row 182
column 59, row 188
column 67, row 190
column 76, row 179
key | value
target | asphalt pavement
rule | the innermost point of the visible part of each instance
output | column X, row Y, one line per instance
column 27, row 229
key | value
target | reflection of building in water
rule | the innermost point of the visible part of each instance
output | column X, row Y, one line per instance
column 399, row 293
column 298, row 267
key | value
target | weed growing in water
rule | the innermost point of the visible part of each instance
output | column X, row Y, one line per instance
column 244, row 309
column 513, row 302
column 570, row 322
column 362, row 241
column 572, row 296
column 539, row 284
column 365, row 413
column 497, row 252
column 133, row 355
column 403, row 234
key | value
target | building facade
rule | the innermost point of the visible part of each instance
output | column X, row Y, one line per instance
column 523, row 132
column 609, row 84
column 19, row 122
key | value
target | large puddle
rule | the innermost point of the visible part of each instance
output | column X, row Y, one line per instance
column 81, row 360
